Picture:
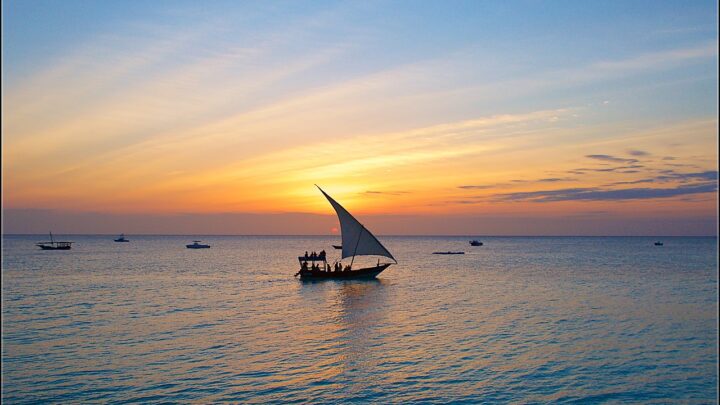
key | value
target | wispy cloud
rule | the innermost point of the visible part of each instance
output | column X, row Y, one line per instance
column 517, row 182
column 599, row 194
column 660, row 59
column 621, row 169
column 619, row 183
column 374, row 192
column 546, row 180
column 478, row 187
column 556, row 179
column 609, row 158
column 671, row 175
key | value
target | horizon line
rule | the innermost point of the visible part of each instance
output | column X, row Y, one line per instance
column 383, row 235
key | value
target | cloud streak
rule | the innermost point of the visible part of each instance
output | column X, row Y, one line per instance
column 599, row 194
column 672, row 176
column 609, row 158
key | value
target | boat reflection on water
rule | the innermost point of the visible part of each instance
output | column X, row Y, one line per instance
column 361, row 308
column 356, row 311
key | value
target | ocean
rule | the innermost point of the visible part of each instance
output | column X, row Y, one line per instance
column 520, row 319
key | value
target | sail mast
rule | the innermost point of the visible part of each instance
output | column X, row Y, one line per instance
column 355, row 251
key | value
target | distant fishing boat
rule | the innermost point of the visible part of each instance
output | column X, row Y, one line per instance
column 53, row 245
column 197, row 245
column 356, row 241
column 448, row 253
column 121, row 238
column 337, row 246
column 475, row 243
column 658, row 243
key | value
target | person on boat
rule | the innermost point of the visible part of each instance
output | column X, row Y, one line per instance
column 338, row 266
column 322, row 254
column 304, row 266
column 306, row 254
column 347, row 268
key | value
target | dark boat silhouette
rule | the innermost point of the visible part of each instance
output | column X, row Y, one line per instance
column 53, row 245
column 197, row 245
column 121, row 238
column 337, row 246
column 356, row 241
column 448, row 253
column 475, row 243
column 658, row 243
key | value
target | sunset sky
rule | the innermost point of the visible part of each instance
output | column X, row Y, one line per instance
column 420, row 117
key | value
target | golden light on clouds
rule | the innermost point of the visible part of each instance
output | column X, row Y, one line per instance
column 164, row 125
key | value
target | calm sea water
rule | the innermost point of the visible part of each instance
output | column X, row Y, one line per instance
column 517, row 320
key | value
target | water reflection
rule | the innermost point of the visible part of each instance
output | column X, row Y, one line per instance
column 362, row 315
column 530, row 320
column 357, row 311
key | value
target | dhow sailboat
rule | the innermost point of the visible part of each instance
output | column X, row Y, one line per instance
column 356, row 241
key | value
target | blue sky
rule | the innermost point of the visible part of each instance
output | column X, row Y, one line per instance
column 496, row 41
column 548, row 34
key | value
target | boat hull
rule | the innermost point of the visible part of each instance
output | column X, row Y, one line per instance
column 366, row 273
column 54, row 247
column 197, row 246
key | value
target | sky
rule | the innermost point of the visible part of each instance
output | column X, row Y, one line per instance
column 420, row 117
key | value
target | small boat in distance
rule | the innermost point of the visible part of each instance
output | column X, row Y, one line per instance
column 356, row 241
column 337, row 246
column 448, row 253
column 121, row 238
column 658, row 243
column 197, row 245
column 475, row 243
column 53, row 245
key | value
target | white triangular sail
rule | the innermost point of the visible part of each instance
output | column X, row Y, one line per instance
column 356, row 239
